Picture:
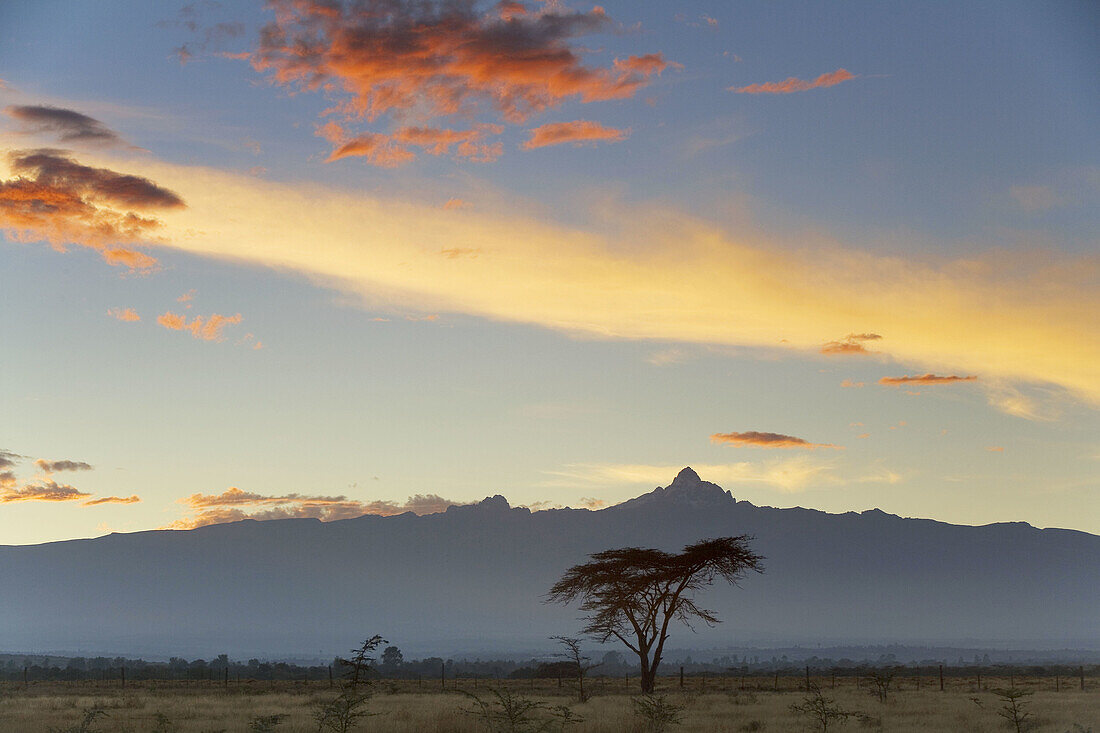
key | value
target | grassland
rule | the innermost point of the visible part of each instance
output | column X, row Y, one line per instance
column 719, row 705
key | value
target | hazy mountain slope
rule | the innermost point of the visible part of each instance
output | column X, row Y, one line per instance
column 474, row 576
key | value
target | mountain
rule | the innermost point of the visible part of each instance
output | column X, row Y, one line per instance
column 473, row 577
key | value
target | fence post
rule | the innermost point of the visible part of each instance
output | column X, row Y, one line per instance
column 807, row 678
column 24, row 677
column 330, row 675
column 776, row 685
column 681, row 676
column 1081, row 671
column 123, row 676
column 227, row 677
column 443, row 676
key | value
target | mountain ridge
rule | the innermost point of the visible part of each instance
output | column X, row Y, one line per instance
column 480, row 572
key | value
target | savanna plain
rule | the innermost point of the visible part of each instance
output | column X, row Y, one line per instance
column 727, row 704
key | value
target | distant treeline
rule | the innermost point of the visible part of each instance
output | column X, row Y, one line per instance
column 35, row 668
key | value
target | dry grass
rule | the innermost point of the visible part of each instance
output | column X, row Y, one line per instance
column 717, row 705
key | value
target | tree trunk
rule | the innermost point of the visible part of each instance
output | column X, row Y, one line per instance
column 649, row 678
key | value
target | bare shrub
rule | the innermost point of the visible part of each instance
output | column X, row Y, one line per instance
column 822, row 711
column 657, row 712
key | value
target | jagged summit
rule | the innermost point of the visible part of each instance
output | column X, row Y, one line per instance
column 495, row 504
column 687, row 489
column 686, row 476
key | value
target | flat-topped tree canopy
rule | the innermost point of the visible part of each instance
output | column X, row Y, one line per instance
column 632, row 593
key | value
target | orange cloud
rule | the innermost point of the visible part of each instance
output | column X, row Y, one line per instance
column 124, row 314
column 996, row 449
column 588, row 502
column 128, row 258
column 923, row 379
column 41, row 490
column 768, row 440
column 850, row 344
column 112, row 500
column 850, row 383
column 435, row 60
column 208, row 330
column 577, row 132
column 391, row 151
column 455, row 203
column 56, row 199
column 443, row 60
column 792, row 84
column 234, row 504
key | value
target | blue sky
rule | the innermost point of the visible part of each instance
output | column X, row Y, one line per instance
column 565, row 324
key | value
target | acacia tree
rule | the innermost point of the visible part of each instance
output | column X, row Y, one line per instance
column 634, row 594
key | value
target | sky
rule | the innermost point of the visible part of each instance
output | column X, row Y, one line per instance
column 327, row 258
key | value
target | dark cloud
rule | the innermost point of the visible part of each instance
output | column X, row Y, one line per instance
column 69, row 125
column 58, row 200
column 429, row 59
column 8, row 459
column 53, row 168
column 55, row 466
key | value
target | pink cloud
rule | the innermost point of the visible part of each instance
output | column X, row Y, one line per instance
column 577, row 132
column 796, row 85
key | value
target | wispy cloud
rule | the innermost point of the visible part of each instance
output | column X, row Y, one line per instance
column 391, row 151
column 789, row 475
column 69, row 126
column 642, row 272
column 925, row 380
column 9, row 459
column 578, row 132
column 209, row 329
column 792, row 84
column 768, row 440
column 134, row 499
column 853, row 343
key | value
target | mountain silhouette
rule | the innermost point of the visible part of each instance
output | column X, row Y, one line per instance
column 475, row 576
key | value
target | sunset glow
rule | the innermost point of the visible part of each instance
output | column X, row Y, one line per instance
column 544, row 249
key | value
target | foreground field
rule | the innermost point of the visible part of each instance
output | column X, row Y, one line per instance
column 720, row 705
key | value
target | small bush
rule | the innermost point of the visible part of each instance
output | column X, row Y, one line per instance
column 87, row 724
column 657, row 713
column 822, row 711
column 266, row 723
